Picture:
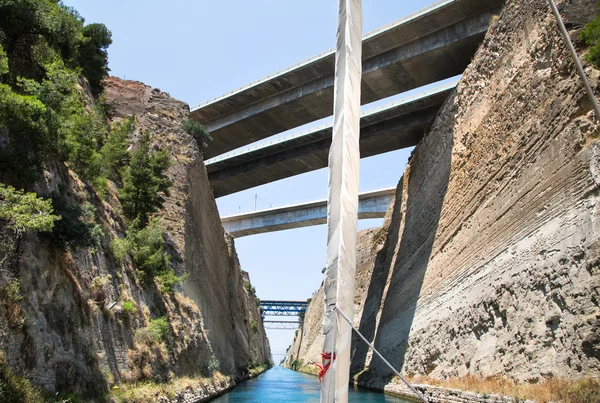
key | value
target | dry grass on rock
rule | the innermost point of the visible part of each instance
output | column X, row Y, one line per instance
column 152, row 391
column 584, row 390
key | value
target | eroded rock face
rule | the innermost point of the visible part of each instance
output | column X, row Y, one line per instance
column 73, row 338
column 215, row 281
column 488, row 261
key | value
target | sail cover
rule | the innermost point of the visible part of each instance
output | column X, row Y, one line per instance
column 342, row 209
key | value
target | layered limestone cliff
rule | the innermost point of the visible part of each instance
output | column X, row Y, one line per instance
column 85, row 321
column 488, row 260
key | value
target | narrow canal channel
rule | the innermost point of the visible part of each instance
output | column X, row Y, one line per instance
column 281, row 385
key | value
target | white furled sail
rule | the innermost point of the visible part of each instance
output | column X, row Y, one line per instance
column 342, row 208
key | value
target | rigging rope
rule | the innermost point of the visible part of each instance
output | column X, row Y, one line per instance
column 415, row 391
column 324, row 369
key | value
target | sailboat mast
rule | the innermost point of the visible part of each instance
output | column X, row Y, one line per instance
column 342, row 208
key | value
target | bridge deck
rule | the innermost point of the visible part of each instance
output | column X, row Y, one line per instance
column 371, row 205
column 429, row 46
column 399, row 125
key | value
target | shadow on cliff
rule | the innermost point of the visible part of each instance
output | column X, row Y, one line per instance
column 406, row 252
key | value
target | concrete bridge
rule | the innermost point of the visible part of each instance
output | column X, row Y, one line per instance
column 398, row 125
column 431, row 45
column 371, row 205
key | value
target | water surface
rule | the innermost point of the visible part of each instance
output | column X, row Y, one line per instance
column 281, row 385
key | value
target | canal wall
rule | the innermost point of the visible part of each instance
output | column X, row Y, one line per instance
column 85, row 319
column 487, row 264
column 225, row 327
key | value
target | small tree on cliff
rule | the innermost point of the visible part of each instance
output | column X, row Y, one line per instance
column 93, row 54
column 144, row 183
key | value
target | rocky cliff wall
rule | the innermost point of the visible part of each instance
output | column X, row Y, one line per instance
column 487, row 263
column 82, row 321
column 215, row 283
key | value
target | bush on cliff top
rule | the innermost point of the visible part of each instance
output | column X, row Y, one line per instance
column 591, row 36
column 198, row 132
column 30, row 29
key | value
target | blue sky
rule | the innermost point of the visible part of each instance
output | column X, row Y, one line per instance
column 199, row 49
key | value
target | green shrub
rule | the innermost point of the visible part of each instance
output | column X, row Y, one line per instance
column 12, row 291
column 297, row 364
column 114, row 153
column 22, row 156
column 14, row 388
column 3, row 62
column 120, row 249
column 591, row 36
column 157, row 331
column 129, row 308
column 78, row 225
column 25, row 211
column 254, row 325
column 147, row 248
column 10, row 297
column 250, row 290
column 168, row 280
column 54, row 27
column 99, row 285
column 214, row 365
column 82, row 136
column 198, row 132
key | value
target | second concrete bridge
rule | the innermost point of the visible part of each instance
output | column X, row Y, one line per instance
column 371, row 205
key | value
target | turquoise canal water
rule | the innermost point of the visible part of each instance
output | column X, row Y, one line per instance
column 281, row 385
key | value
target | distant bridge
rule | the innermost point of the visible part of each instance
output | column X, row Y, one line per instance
column 371, row 205
column 431, row 45
column 282, row 308
column 281, row 324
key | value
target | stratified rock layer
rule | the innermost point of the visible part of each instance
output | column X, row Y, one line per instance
column 488, row 260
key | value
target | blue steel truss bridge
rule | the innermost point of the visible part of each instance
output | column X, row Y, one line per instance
column 282, row 308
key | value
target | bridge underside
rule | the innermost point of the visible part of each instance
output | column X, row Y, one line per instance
column 391, row 128
column 371, row 205
column 428, row 48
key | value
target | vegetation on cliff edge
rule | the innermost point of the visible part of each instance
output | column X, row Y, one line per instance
column 591, row 36
column 55, row 135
